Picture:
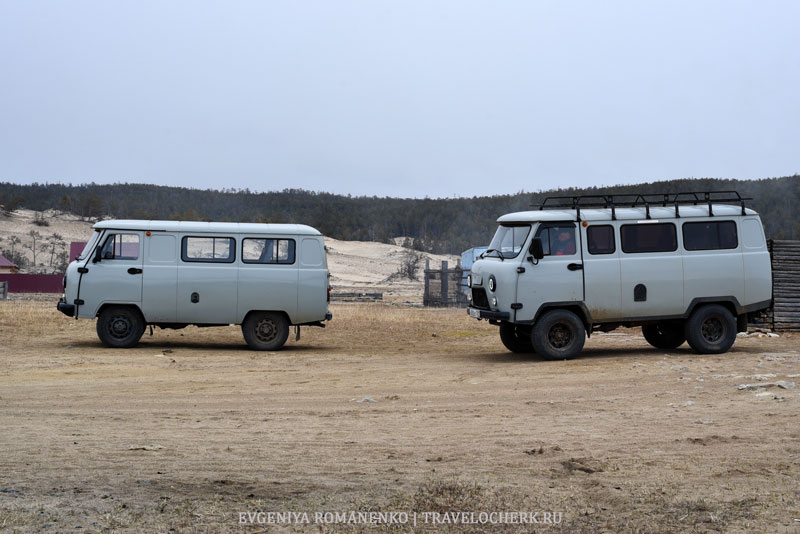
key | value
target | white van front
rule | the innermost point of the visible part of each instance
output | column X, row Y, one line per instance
column 493, row 278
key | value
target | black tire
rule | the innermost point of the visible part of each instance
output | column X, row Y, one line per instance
column 665, row 335
column 516, row 338
column 265, row 330
column 120, row 327
column 711, row 329
column 558, row 335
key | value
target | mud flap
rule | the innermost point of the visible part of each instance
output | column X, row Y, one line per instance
column 741, row 323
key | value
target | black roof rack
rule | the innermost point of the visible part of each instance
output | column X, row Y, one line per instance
column 633, row 200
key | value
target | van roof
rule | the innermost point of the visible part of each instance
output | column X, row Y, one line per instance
column 211, row 227
column 638, row 213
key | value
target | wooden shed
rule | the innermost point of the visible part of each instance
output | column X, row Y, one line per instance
column 7, row 266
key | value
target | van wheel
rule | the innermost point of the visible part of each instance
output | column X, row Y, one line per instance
column 558, row 335
column 711, row 329
column 666, row 335
column 516, row 338
column 120, row 327
column 265, row 330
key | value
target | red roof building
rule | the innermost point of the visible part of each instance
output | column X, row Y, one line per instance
column 7, row 266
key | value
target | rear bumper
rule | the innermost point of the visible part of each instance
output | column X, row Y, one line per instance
column 66, row 309
column 477, row 313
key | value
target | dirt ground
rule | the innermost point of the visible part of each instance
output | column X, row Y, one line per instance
column 190, row 429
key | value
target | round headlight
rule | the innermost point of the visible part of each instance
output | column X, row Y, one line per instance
column 469, row 280
column 492, row 283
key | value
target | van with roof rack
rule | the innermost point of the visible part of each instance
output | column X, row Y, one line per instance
column 170, row 274
column 685, row 267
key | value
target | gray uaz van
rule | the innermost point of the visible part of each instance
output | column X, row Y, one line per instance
column 684, row 267
column 170, row 274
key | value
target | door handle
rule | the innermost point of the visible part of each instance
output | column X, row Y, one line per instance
column 134, row 270
column 575, row 266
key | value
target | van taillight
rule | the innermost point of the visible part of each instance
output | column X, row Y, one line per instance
column 329, row 293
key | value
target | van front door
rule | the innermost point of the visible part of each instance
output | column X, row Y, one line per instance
column 556, row 278
column 116, row 277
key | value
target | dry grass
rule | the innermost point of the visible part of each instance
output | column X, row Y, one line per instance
column 379, row 326
column 33, row 318
column 459, row 424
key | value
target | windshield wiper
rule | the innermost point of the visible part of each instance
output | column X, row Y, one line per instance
column 499, row 254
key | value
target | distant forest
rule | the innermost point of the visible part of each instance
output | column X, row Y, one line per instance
column 442, row 225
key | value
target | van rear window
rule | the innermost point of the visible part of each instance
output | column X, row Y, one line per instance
column 208, row 249
column 649, row 237
column 710, row 235
column 268, row 250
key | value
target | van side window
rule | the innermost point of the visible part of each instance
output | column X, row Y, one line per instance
column 557, row 239
column 600, row 239
column 658, row 237
column 710, row 235
column 208, row 249
column 268, row 250
column 121, row 247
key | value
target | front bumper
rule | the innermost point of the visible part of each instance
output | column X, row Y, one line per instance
column 66, row 309
column 477, row 313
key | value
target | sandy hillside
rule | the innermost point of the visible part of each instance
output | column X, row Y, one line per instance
column 354, row 265
column 20, row 223
column 372, row 267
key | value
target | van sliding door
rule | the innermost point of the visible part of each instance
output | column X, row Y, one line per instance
column 601, row 271
column 207, row 280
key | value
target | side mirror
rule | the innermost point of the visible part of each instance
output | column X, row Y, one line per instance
column 98, row 255
column 536, row 248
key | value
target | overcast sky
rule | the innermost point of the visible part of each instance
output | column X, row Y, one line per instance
column 420, row 98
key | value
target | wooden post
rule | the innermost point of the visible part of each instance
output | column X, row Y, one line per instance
column 426, row 296
column 3, row 290
column 444, row 283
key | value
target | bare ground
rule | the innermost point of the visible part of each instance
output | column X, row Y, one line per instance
column 191, row 428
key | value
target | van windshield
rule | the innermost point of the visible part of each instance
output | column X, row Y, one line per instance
column 89, row 245
column 508, row 240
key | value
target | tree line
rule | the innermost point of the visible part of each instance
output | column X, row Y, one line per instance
column 441, row 225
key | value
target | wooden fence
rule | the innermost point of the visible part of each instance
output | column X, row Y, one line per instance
column 443, row 287
column 356, row 296
column 785, row 285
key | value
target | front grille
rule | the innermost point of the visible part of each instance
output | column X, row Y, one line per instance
column 479, row 299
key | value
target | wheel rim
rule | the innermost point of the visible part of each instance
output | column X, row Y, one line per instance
column 559, row 336
column 120, row 326
column 712, row 330
column 266, row 330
